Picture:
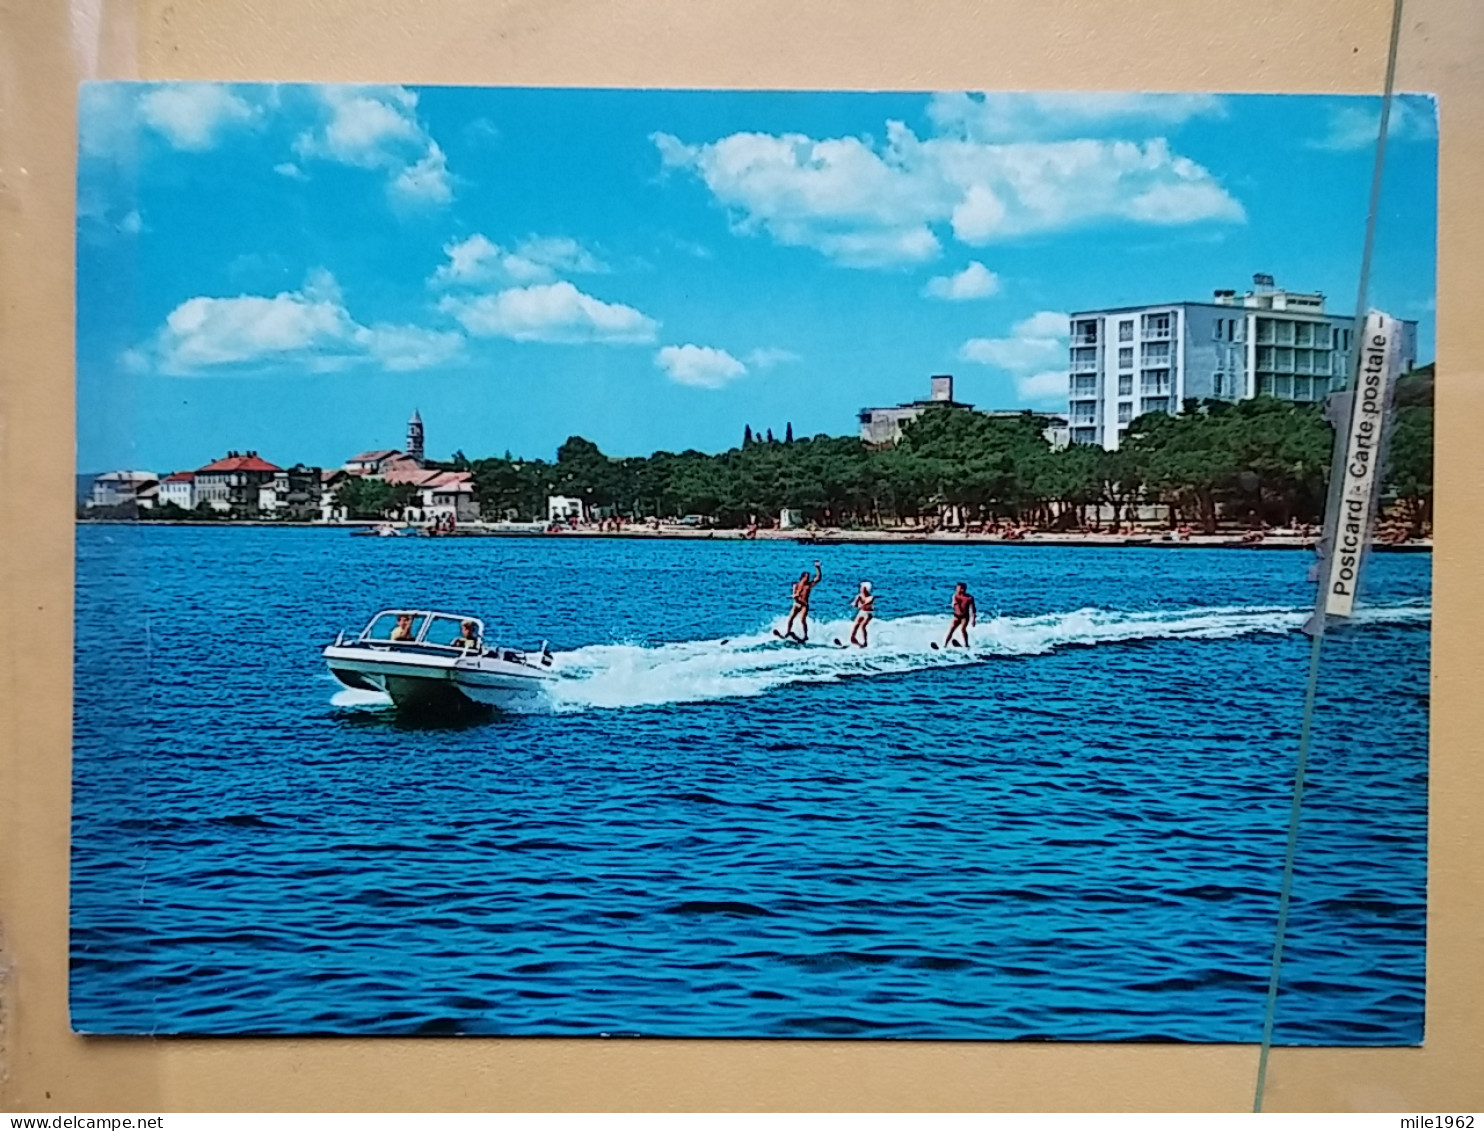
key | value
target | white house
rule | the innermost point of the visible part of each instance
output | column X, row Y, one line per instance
column 561, row 508
column 114, row 488
column 180, row 489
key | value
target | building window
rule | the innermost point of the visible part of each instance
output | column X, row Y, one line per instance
column 1264, row 331
column 1084, row 386
column 1125, row 411
column 1155, row 382
column 1125, row 357
column 1085, row 360
column 1156, row 353
column 1284, row 333
column 1218, row 385
column 1154, row 404
column 1303, row 334
column 1125, row 384
column 1156, row 326
column 1085, row 332
column 1126, row 331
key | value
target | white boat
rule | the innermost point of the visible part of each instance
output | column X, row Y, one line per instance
column 429, row 661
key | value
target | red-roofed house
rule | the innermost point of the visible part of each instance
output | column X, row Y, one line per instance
column 439, row 493
column 373, row 463
column 232, row 482
column 180, row 489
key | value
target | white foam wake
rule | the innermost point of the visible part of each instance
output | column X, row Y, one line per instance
column 632, row 675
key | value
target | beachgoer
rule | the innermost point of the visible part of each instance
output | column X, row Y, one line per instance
column 800, row 611
column 403, row 631
column 965, row 613
column 865, row 606
column 468, row 638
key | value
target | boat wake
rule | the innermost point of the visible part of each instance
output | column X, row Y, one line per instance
column 606, row 676
column 637, row 675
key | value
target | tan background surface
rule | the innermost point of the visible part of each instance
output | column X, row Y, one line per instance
column 1257, row 45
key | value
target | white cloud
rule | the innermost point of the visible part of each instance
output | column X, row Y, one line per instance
column 376, row 127
column 1004, row 115
column 1048, row 386
column 192, row 115
column 1414, row 117
column 839, row 196
column 766, row 357
column 308, row 329
column 1034, row 343
column 132, row 223
column 537, row 259
column 550, row 312
column 1042, row 324
column 974, row 281
column 700, row 366
column 869, row 205
column 290, row 170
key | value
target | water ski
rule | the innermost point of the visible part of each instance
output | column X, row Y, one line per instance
column 934, row 645
column 789, row 636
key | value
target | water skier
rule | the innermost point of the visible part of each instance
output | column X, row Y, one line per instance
column 800, row 611
column 965, row 613
column 865, row 606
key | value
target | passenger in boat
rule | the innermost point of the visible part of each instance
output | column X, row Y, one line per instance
column 865, row 606
column 800, row 611
column 468, row 637
column 403, row 631
column 965, row 613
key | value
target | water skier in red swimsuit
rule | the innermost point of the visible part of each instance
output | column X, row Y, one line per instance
column 800, row 612
column 965, row 613
column 865, row 605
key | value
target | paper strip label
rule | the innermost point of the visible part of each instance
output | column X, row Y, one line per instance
column 1369, row 411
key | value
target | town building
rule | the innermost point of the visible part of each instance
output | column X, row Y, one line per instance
column 293, row 493
column 882, row 427
column 179, row 488
column 1128, row 361
column 440, row 494
column 233, row 482
column 121, row 488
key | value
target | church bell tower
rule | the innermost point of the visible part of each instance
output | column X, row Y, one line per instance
column 415, row 437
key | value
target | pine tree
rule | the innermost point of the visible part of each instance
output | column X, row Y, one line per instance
column 788, row 433
column 747, row 436
column 770, row 435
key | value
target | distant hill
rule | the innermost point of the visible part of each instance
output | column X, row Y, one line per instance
column 1416, row 387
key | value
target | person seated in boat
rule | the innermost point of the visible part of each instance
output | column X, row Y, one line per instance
column 468, row 637
column 403, row 631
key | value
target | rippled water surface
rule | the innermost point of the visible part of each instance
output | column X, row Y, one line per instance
column 1076, row 832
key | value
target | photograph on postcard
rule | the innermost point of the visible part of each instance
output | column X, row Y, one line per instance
column 692, row 563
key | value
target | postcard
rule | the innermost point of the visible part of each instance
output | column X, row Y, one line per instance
column 683, row 563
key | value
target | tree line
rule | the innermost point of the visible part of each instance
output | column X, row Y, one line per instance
column 1252, row 462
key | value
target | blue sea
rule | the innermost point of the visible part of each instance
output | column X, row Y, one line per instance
column 1075, row 831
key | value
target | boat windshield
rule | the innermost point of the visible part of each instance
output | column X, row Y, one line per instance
column 449, row 632
column 395, row 627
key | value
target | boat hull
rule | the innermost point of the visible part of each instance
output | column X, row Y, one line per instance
column 424, row 684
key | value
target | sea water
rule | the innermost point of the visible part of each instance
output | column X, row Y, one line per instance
column 1072, row 830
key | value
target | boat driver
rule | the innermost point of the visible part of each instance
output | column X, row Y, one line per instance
column 403, row 631
column 468, row 637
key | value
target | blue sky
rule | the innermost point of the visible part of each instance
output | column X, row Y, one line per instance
column 293, row 269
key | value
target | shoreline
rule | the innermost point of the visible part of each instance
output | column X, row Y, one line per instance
column 1232, row 541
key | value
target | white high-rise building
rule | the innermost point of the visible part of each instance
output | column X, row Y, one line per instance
column 1269, row 342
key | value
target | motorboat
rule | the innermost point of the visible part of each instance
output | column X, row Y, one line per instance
column 381, row 530
column 430, row 661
